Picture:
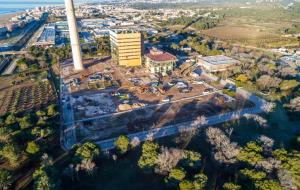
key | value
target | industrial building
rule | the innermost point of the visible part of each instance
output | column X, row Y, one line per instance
column 47, row 37
column 158, row 61
column 217, row 63
column 126, row 47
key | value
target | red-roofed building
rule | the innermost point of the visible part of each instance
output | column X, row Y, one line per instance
column 158, row 61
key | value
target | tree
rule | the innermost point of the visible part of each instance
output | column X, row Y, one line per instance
column 294, row 105
column 168, row 159
column 250, row 154
column 286, row 180
column 287, row 71
column 253, row 175
column 40, row 113
column 258, row 119
column 51, row 110
column 290, row 161
column 10, row 120
column 149, row 155
column 41, row 122
column 186, row 185
column 122, row 144
column 43, row 181
column 265, row 142
column 268, row 107
column 192, row 159
column 25, row 122
column 11, row 153
column 4, row 134
column 231, row 186
column 88, row 166
column 174, row 46
column 267, row 184
column 135, row 142
column 87, row 150
column 242, row 78
column 265, row 82
column 32, row 148
column 223, row 150
column 5, row 179
column 286, row 85
column 175, row 176
column 198, row 183
column 21, row 63
column 41, row 132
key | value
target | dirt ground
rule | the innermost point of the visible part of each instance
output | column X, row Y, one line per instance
column 141, row 100
column 231, row 33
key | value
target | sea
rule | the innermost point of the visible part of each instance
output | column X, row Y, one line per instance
column 14, row 6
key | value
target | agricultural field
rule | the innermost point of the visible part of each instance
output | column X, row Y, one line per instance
column 251, row 25
column 258, row 26
column 26, row 94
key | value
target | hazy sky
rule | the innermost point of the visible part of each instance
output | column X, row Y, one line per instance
column 46, row 1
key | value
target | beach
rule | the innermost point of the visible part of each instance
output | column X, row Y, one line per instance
column 4, row 18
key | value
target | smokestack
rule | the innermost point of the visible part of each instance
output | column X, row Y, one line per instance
column 75, row 45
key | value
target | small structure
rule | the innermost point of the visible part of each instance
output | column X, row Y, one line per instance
column 158, row 61
column 290, row 60
column 218, row 63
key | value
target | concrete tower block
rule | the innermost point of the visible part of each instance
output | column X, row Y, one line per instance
column 75, row 45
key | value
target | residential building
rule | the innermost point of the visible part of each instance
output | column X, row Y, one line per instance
column 218, row 63
column 158, row 61
column 126, row 47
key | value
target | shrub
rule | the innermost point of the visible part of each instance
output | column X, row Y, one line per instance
column 122, row 144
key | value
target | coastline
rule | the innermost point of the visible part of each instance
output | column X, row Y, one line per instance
column 4, row 18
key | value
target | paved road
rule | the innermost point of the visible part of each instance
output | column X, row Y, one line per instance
column 68, row 137
column 10, row 69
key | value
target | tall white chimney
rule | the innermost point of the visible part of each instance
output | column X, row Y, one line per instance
column 75, row 45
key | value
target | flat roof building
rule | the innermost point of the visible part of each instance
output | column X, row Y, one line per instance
column 158, row 61
column 47, row 37
column 217, row 63
column 126, row 47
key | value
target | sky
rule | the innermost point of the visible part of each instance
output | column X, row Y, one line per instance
column 35, row 1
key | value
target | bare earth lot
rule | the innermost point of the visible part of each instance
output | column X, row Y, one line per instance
column 138, row 100
column 234, row 32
